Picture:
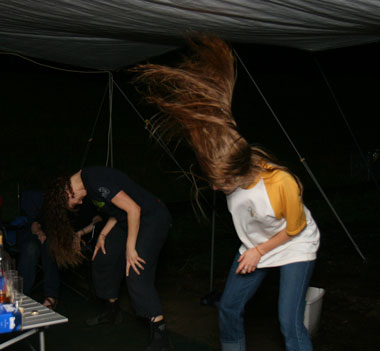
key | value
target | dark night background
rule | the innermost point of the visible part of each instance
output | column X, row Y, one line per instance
column 47, row 117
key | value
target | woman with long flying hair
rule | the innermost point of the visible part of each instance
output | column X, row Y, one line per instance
column 263, row 196
column 129, row 243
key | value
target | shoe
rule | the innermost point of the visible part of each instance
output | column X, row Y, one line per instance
column 112, row 314
column 159, row 337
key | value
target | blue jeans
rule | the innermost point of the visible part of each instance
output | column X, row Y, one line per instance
column 31, row 250
column 294, row 281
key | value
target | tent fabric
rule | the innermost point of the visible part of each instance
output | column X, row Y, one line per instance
column 110, row 34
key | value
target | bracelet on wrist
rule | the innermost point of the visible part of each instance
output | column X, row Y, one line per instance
column 258, row 250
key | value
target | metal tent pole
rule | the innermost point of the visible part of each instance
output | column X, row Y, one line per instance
column 212, row 242
column 110, row 141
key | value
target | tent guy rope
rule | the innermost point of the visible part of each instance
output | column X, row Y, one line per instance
column 302, row 159
column 340, row 109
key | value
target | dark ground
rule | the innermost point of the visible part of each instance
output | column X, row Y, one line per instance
column 350, row 314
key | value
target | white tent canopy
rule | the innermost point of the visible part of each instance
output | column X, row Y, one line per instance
column 109, row 34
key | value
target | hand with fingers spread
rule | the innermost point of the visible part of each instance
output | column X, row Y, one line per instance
column 133, row 210
column 100, row 245
column 134, row 261
column 248, row 261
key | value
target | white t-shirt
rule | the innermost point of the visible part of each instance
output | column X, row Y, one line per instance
column 269, row 206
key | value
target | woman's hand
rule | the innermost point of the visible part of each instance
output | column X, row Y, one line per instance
column 100, row 244
column 248, row 261
column 133, row 212
column 41, row 237
column 37, row 230
column 134, row 261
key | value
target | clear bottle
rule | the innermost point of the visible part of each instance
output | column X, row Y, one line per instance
column 5, row 261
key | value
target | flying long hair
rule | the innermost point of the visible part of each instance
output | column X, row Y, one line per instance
column 195, row 100
column 57, row 225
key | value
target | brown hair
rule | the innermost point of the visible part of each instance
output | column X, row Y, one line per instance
column 57, row 225
column 195, row 101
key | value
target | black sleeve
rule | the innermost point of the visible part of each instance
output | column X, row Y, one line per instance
column 102, row 183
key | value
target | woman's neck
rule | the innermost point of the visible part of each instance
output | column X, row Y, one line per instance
column 76, row 182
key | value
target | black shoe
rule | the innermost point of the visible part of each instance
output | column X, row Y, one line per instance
column 159, row 337
column 112, row 314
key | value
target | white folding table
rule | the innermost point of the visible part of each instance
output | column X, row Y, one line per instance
column 36, row 318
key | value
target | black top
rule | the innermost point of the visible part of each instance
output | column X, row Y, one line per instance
column 84, row 215
column 102, row 184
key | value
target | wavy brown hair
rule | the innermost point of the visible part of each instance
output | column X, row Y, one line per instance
column 57, row 225
column 195, row 99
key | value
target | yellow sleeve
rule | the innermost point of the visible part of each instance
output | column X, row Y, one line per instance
column 285, row 198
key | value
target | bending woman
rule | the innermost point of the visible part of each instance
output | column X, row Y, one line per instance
column 129, row 243
column 263, row 196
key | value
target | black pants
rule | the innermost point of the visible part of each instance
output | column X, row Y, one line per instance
column 108, row 269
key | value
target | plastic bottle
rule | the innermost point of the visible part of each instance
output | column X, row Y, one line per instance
column 5, row 262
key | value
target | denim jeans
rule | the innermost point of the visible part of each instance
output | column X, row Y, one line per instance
column 294, row 281
column 31, row 250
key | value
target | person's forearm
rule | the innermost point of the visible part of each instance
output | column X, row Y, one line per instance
column 88, row 228
column 97, row 219
column 280, row 238
column 108, row 226
column 133, row 228
column 133, row 211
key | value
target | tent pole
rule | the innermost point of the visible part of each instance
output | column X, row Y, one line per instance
column 91, row 138
column 18, row 199
column 212, row 242
column 332, row 208
column 110, row 141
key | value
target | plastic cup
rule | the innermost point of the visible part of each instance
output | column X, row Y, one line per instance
column 17, row 290
column 9, row 277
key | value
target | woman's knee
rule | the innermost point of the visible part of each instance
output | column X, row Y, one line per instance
column 140, row 283
column 106, row 263
column 228, row 309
